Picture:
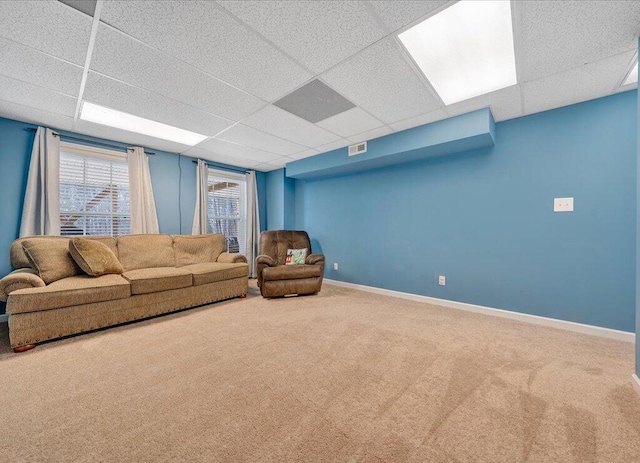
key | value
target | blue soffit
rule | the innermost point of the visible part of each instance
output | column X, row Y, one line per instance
column 466, row 132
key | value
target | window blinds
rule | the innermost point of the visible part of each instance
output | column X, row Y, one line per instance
column 94, row 196
column 227, row 208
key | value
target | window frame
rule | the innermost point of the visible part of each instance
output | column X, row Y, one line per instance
column 104, row 155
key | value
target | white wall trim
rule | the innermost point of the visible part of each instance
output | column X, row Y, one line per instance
column 527, row 318
column 636, row 382
column 4, row 318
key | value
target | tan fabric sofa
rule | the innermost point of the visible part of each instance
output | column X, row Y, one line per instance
column 162, row 273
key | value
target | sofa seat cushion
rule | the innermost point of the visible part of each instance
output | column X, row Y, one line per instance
column 152, row 280
column 216, row 271
column 291, row 272
column 75, row 290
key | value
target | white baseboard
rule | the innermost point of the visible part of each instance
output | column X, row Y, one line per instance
column 4, row 318
column 636, row 382
column 535, row 319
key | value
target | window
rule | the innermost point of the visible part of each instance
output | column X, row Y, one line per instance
column 94, row 191
column 227, row 208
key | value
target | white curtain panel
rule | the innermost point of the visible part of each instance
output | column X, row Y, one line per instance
column 253, row 223
column 144, row 218
column 202, row 185
column 41, row 207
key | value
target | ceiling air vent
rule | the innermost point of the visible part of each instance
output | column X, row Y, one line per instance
column 358, row 149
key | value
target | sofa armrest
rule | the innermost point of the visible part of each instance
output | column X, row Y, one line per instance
column 232, row 258
column 315, row 259
column 19, row 279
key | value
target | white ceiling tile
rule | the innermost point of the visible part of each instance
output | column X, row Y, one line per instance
column 304, row 154
column 283, row 124
column 333, row 145
column 211, row 156
column 395, row 14
column 382, row 82
column 421, row 119
column 371, row 134
column 279, row 163
column 317, row 34
column 586, row 82
column 33, row 96
column 209, row 38
column 48, row 26
column 35, row 116
column 117, row 95
column 225, row 148
column 26, row 64
column 505, row 104
column 124, row 136
column 265, row 167
column 248, row 136
column 556, row 36
column 350, row 122
column 123, row 58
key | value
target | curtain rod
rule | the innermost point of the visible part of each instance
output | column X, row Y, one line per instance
column 232, row 169
column 93, row 143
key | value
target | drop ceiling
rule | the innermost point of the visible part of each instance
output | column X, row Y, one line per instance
column 216, row 68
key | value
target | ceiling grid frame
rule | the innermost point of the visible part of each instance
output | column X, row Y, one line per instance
column 238, row 20
column 602, row 77
column 516, row 20
column 87, row 59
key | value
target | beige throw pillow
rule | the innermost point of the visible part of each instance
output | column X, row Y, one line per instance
column 50, row 259
column 93, row 257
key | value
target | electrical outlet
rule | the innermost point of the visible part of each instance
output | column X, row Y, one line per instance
column 442, row 280
column 562, row 204
column 335, row 266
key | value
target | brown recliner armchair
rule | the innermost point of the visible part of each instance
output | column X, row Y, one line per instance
column 277, row 279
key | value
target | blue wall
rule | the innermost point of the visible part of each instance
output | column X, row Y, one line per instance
column 15, row 153
column 485, row 219
column 280, row 193
column 275, row 199
column 173, row 178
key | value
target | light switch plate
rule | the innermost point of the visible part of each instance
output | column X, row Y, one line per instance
column 562, row 204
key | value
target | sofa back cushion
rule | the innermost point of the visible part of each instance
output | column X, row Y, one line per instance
column 198, row 249
column 275, row 243
column 146, row 251
column 51, row 259
column 19, row 259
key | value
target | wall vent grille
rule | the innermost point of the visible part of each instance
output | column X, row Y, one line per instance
column 358, row 149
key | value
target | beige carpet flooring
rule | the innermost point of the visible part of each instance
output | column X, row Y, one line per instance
column 341, row 376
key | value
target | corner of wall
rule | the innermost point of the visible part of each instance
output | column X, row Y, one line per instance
column 637, row 229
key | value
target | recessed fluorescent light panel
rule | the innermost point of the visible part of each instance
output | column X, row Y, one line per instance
column 632, row 78
column 100, row 115
column 465, row 50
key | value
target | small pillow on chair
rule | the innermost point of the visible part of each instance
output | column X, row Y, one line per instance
column 296, row 256
column 93, row 257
